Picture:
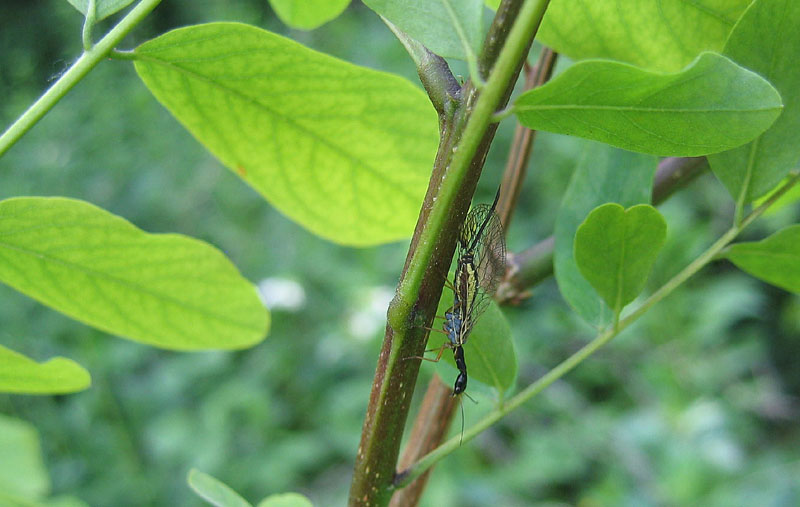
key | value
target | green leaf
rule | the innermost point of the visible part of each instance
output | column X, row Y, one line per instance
column 166, row 290
column 308, row 14
column 776, row 259
column 712, row 105
column 765, row 41
column 102, row 9
column 489, row 351
column 23, row 476
column 656, row 34
column 343, row 150
column 285, row 500
column 449, row 28
column 19, row 374
column 615, row 250
column 788, row 198
column 214, row 491
column 603, row 175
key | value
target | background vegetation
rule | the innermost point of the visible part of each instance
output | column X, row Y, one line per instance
column 695, row 404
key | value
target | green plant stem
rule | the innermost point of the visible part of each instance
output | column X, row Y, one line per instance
column 75, row 73
column 88, row 25
column 590, row 348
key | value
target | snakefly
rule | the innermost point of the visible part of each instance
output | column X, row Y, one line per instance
column 480, row 264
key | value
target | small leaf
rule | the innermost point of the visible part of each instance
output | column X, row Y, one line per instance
column 788, row 198
column 19, row 374
column 657, row 34
column 23, row 475
column 102, row 9
column 449, row 28
column 214, row 491
column 615, row 250
column 285, row 500
column 308, row 14
column 711, row 106
column 489, row 351
column 604, row 174
column 776, row 259
column 343, row 150
column 765, row 40
column 166, row 290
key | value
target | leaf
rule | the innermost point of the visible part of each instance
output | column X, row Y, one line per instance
column 489, row 351
column 308, row 14
column 788, row 198
column 102, row 9
column 343, row 150
column 776, row 259
column 657, row 34
column 449, row 28
column 286, row 500
column 615, row 250
column 712, row 105
column 19, row 374
column 603, row 175
column 214, row 491
column 23, row 475
column 765, row 41
column 166, row 290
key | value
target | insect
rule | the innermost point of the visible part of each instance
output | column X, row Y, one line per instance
column 480, row 263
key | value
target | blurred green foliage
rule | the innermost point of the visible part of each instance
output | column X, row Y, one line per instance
column 696, row 404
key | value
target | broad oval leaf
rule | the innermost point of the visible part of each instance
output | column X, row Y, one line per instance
column 656, row 34
column 615, row 249
column 489, row 351
column 343, row 150
column 102, row 8
column 776, row 259
column 711, row 106
column 449, row 28
column 166, row 290
column 59, row 375
column 765, row 40
column 286, row 500
column 604, row 174
column 214, row 491
column 308, row 14
column 23, row 476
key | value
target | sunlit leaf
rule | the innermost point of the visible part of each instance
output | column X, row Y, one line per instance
column 23, row 476
column 20, row 374
column 286, row 500
column 449, row 28
column 166, row 290
column 103, row 8
column 604, row 174
column 615, row 249
column 343, row 150
column 656, row 34
column 308, row 14
column 776, row 259
column 766, row 41
column 214, row 491
column 711, row 106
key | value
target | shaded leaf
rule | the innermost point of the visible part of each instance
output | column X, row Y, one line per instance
column 765, row 41
column 166, row 290
column 615, row 249
column 285, row 500
column 214, row 491
column 23, row 476
column 20, row 374
column 102, row 9
column 657, row 34
column 776, row 259
column 604, row 174
column 449, row 28
column 308, row 14
column 489, row 351
column 711, row 106
column 343, row 150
